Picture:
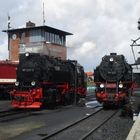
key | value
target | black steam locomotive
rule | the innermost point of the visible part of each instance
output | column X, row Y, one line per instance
column 113, row 78
column 42, row 79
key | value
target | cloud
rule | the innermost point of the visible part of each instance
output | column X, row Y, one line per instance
column 84, row 54
column 99, row 26
column 86, row 49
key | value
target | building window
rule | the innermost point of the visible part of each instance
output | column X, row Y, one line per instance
column 22, row 37
column 35, row 35
column 39, row 36
column 55, row 38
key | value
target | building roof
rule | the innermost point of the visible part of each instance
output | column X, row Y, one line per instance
column 47, row 28
column 89, row 73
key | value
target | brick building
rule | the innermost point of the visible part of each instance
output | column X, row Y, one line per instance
column 37, row 39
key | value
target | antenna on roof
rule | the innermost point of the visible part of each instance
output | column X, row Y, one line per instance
column 43, row 14
column 8, row 26
column 9, row 21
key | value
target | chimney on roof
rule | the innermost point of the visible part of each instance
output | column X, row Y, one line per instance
column 30, row 24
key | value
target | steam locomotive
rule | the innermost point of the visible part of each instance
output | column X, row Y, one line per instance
column 113, row 78
column 43, row 80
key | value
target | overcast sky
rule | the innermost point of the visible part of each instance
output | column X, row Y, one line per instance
column 99, row 26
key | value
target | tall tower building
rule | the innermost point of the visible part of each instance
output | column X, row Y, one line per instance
column 37, row 39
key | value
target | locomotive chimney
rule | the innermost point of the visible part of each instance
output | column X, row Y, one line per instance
column 113, row 53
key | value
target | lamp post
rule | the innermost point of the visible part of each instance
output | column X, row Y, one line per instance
column 139, row 24
column 75, row 83
column 134, row 43
column 9, row 35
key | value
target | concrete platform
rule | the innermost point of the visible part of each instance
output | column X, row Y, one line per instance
column 134, row 133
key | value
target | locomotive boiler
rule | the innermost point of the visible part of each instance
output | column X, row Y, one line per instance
column 43, row 80
column 113, row 78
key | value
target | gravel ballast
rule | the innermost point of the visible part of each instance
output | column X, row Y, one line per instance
column 115, row 129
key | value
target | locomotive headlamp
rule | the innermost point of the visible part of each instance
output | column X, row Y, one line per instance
column 16, row 83
column 102, row 86
column 111, row 59
column 27, row 54
column 120, row 85
column 33, row 83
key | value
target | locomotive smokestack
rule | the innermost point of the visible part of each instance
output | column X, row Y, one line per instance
column 113, row 53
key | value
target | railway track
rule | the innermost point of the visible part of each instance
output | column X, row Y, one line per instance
column 97, row 127
column 84, row 127
column 12, row 114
